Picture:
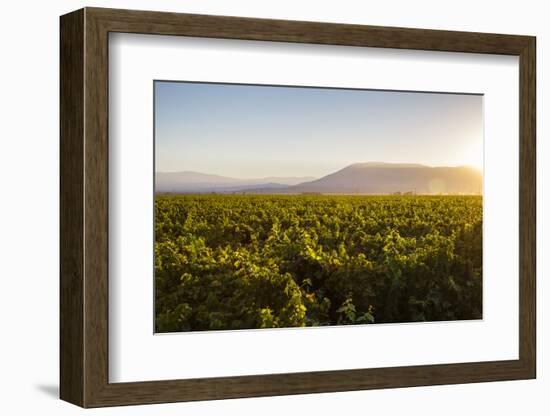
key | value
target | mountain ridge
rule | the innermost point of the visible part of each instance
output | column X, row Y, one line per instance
column 189, row 181
column 356, row 178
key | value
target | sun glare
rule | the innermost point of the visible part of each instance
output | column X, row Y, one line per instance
column 473, row 157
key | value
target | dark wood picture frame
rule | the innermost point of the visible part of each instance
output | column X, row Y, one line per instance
column 84, row 207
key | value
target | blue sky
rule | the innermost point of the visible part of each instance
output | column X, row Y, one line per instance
column 250, row 131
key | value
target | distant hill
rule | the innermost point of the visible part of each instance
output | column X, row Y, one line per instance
column 188, row 181
column 386, row 178
column 359, row 178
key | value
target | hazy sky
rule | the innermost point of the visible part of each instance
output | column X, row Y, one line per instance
column 249, row 131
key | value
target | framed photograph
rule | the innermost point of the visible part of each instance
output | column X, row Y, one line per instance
column 254, row 207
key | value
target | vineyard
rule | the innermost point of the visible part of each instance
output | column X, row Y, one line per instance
column 265, row 261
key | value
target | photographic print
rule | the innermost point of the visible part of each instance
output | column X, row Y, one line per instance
column 291, row 206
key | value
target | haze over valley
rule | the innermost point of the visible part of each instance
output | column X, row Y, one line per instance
column 359, row 178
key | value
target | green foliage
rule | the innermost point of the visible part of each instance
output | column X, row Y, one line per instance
column 250, row 261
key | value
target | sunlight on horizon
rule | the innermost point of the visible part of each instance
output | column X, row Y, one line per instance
column 251, row 131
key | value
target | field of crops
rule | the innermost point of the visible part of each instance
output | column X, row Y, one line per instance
column 264, row 261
